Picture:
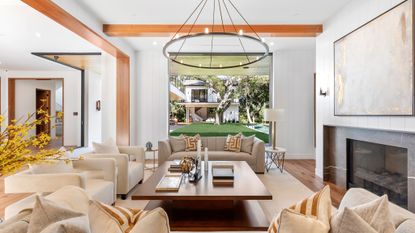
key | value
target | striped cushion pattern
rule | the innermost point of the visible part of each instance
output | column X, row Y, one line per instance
column 233, row 143
column 125, row 217
column 191, row 142
column 317, row 206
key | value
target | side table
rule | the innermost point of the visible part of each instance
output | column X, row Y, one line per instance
column 154, row 150
column 275, row 156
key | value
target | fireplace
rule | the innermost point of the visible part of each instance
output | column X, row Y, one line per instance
column 381, row 161
column 379, row 168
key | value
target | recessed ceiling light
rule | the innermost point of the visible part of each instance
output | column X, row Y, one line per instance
column 200, row 65
column 154, row 42
column 37, row 34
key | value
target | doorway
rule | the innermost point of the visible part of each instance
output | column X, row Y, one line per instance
column 43, row 99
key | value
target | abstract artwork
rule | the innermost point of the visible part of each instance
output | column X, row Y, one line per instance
column 374, row 69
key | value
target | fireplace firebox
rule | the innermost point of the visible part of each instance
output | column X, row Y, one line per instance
column 379, row 168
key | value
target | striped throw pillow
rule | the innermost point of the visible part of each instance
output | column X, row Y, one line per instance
column 125, row 217
column 318, row 207
column 191, row 142
column 234, row 143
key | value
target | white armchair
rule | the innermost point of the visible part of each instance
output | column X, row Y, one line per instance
column 98, row 177
column 130, row 166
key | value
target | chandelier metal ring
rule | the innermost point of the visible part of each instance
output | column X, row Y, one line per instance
column 229, row 34
column 224, row 7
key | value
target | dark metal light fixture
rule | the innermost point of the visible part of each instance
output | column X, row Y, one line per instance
column 215, row 32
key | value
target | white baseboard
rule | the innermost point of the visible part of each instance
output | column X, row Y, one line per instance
column 297, row 156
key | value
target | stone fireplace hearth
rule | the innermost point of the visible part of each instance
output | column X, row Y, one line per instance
column 381, row 161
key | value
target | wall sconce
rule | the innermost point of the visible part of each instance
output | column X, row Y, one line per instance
column 98, row 105
column 324, row 91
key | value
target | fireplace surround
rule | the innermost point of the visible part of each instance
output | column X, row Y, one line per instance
column 381, row 161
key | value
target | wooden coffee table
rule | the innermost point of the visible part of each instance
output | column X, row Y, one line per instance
column 204, row 207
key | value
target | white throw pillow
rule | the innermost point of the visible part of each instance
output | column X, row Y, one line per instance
column 107, row 147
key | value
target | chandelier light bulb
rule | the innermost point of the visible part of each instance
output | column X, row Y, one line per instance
column 271, row 43
column 206, row 30
column 263, row 40
column 241, row 32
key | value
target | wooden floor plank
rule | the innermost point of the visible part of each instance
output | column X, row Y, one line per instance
column 304, row 171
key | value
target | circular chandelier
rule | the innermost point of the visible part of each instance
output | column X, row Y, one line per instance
column 215, row 39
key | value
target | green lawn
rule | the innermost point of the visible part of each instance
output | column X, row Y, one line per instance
column 211, row 130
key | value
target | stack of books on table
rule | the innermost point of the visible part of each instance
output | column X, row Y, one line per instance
column 222, row 174
column 175, row 166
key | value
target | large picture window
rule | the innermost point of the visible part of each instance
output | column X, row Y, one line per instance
column 222, row 101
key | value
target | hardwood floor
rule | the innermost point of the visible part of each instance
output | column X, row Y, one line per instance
column 304, row 171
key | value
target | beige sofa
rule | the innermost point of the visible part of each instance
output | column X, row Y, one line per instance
column 97, row 177
column 130, row 165
column 403, row 220
column 76, row 199
column 216, row 145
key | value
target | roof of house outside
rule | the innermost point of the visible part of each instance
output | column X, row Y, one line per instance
column 193, row 83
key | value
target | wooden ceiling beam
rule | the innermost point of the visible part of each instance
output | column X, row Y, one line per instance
column 165, row 30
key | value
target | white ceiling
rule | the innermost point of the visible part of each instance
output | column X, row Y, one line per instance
column 23, row 30
column 176, row 11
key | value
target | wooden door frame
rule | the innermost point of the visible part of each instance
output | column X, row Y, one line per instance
column 12, row 98
column 62, row 17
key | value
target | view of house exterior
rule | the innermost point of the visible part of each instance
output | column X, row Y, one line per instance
column 200, row 102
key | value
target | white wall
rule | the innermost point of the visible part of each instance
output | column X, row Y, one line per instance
column 152, row 90
column 93, row 91
column 293, row 87
column 293, row 91
column 89, row 19
column 349, row 18
column 72, row 98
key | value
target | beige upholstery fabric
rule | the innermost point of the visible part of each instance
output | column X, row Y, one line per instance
column 46, row 212
column 317, row 206
column 126, row 218
column 291, row 221
column 406, row 227
column 130, row 166
column 177, row 144
column 72, row 225
column 400, row 217
column 358, row 196
column 107, row 147
column 350, row 222
column 374, row 213
column 155, row 221
column 216, row 145
column 17, row 224
column 100, row 221
column 51, row 167
column 102, row 188
column 247, row 144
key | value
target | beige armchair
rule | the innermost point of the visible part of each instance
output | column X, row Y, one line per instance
column 130, row 165
column 98, row 177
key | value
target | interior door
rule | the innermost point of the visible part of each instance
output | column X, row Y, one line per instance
column 43, row 99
